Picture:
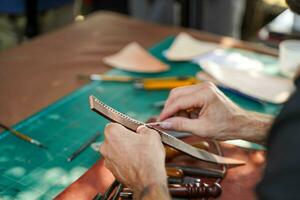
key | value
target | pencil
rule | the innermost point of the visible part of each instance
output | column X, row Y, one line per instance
column 23, row 136
column 83, row 147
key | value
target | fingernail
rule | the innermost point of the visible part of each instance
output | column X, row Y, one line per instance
column 166, row 125
column 108, row 124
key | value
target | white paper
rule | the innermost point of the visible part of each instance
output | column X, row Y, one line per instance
column 251, row 82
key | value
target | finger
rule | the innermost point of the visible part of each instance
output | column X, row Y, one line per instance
column 182, row 103
column 103, row 150
column 114, row 130
column 143, row 130
column 108, row 129
column 184, row 124
column 180, row 91
column 112, row 167
column 100, row 148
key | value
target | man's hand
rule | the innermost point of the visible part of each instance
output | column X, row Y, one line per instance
column 135, row 159
column 204, row 110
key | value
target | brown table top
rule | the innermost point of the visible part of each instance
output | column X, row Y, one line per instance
column 45, row 69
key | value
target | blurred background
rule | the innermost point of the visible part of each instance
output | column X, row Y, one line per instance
column 265, row 21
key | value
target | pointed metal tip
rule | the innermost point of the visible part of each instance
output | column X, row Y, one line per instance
column 43, row 146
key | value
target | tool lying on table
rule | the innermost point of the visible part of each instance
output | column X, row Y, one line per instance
column 83, row 147
column 23, row 136
column 132, row 124
column 145, row 83
column 168, row 84
column 165, row 83
column 112, row 78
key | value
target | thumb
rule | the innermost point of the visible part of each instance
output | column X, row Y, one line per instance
column 143, row 130
column 180, row 124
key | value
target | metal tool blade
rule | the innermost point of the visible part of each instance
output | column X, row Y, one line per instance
column 132, row 124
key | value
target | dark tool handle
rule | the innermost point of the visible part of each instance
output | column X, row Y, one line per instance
column 199, row 172
column 84, row 146
column 183, row 180
column 196, row 190
column 118, row 192
column 98, row 196
column 109, row 191
column 172, row 180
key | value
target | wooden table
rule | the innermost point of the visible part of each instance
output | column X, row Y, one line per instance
column 45, row 69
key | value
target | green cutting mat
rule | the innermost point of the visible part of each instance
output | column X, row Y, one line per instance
column 27, row 172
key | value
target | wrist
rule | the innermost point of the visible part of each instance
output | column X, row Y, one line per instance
column 158, row 177
column 153, row 191
column 151, row 178
column 253, row 126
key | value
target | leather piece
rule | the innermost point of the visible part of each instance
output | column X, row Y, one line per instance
column 133, row 57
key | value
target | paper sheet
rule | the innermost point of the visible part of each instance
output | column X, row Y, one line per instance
column 135, row 58
column 268, row 88
column 185, row 48
column 232, row 60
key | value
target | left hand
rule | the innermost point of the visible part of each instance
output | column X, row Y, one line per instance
column 203, row 110
column 135, row 159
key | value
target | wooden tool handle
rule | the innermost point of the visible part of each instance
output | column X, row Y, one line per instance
column 198, row 172
column 172, row 153
column 167, row 83
column 173, row 172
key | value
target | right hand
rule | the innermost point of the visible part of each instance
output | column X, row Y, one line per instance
column 135, row 159
column 217, row 116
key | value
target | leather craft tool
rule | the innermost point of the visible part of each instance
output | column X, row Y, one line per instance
column 132, row 124
column 198, row 172
column 23, row 136
column 182, row 180
column 196, row 190
column 83, row 147
column 112, row 78
column 109, row 191
column 152, row 83
column 165, row 84
column 174, row 172
column 168, row 84
column 172, row 153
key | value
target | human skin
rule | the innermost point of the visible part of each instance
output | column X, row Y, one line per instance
column 217, row 116
column 136, row 160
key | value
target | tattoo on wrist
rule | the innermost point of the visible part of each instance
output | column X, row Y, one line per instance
column 145, row 191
